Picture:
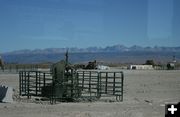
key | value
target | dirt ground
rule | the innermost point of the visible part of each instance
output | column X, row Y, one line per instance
column 145, row 94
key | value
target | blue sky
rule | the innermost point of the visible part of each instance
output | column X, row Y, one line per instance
column 31, row 24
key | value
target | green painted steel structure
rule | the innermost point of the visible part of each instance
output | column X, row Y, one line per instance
column 82, row 85
column 65, row 83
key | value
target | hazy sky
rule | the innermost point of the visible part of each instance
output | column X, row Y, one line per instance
column 31, row 24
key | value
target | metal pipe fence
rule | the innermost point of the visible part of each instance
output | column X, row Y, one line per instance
column 31, row 83
column 16, row 68
column 80, row 85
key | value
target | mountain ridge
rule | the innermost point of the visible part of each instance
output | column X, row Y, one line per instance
column 114, row 48
column 114, row 54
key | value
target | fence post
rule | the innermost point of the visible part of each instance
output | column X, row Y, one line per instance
column 20, row 78
column 44, row 80
column 25, row 83
column 122, row 76
column 36, row 82
column 114, row 81
column 90, row 83
column 106, row 83
column 98, row 86
column 28, row 85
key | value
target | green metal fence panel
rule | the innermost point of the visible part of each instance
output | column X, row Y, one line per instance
column 96, row 84
column 72, row 85
column 88, row 84
column 111, row 84
column 31, row 83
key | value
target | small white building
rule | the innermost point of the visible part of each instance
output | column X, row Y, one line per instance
column 103, row 67
column 141, row 67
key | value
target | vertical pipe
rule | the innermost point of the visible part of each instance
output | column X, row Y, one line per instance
column 36, row 82
column 78, row 90
column 100, row 78
column 28, row 85
column 53, row 90
column 72, row 83
column 114, row 81
column 25, row 85
column 83, row 80
column 20, row 83
column 39, row 82
column 23, row 82
column 22, row 75
column 98, row 85
column 122, row 77
column 106, row 83
column 44, row 81
column 90, row 83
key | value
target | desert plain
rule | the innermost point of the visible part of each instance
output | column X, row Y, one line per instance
column 145, row 94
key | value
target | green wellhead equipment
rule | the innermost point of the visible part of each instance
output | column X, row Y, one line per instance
column 66, row 83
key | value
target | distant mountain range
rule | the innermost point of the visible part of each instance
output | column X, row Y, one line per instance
column 116, row 53
column 115, row 48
